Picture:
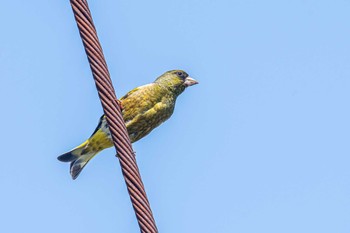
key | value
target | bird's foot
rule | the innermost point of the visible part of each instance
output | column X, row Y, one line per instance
column 120, row 105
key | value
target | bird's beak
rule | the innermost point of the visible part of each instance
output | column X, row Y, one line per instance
column 190, row 82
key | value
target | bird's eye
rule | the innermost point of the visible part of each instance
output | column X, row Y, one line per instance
column 179, row 73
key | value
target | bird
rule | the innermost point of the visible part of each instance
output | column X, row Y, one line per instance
column 143, row 109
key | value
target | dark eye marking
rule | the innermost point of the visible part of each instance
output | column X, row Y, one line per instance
column 180, row 73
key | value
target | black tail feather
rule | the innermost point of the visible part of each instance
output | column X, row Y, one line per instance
column 77, row 166
column 67, row 157
column 78, row 158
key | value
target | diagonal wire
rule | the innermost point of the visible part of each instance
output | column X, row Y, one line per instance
column 115, row 120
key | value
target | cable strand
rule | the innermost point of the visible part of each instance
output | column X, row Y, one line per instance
column 114, row 117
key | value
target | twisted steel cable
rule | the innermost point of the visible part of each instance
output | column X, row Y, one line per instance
column 114, row 117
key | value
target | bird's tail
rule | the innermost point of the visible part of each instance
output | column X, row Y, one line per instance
column 78, row 158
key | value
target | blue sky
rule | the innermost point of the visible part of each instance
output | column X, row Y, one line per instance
column 261, row 145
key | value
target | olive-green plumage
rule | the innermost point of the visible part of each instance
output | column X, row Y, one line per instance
column 143, row 109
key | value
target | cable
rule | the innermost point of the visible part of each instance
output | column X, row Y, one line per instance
column 114, row 117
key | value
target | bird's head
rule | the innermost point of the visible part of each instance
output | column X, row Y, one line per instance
column 176, row 81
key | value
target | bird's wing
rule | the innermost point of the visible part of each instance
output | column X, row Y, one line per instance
column 136, row 91
column 130, row 93
column 144, row 122
column 140, row 100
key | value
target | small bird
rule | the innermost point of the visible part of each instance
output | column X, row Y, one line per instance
column 143, row 108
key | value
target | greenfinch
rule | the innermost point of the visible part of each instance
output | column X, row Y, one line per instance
column 143, row 109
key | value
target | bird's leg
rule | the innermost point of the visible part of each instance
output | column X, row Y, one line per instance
column 120, row 104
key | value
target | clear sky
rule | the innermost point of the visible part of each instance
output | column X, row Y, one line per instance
column 260, row 145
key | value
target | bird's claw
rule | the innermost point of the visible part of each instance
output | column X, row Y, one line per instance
column 120, row 105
